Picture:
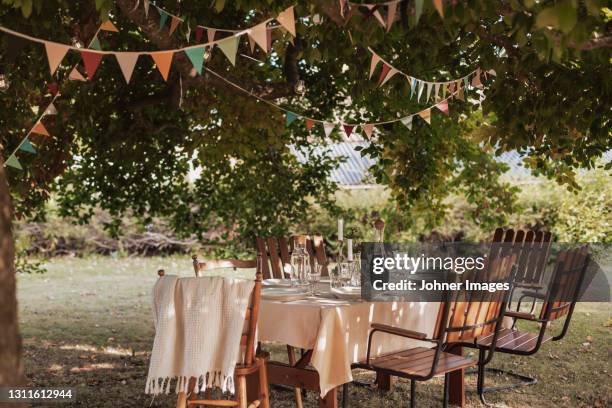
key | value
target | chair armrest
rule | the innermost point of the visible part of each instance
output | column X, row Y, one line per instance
column 536, row 286
column 398, row 331
column 521, row 315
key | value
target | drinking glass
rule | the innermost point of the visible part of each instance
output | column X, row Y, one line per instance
column 314, row 276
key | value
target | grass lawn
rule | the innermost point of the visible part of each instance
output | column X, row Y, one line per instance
column 87, row 323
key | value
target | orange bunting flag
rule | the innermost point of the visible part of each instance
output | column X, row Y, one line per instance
column 174, row 24
column 55, row 54
column 40, row 129
column 443, row 106
column 127, row 62
column 426, row 115
column 259, row 34
column 368, row 129
column 374, row 64
column 287, row 20
column 109, row 26
column 383, row 74
column 91, row 60
column 476, row 80
column 438, row 5
column 310, row 124
column 391, row 13
column 163, row 61
column 75, row 75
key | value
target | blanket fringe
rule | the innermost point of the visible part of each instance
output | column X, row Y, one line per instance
column 216, row 379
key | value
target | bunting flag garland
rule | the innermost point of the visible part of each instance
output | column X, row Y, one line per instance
column 163, row 60
column 95, row 44
column 383, row 74
column 146, row 4
column 163, row 17
column 199, row 33
column 51, row 110
column 429, row 89
column 309, row 123
column 252, row 45
column 426, row 115
column 407, row 121
column 196, row 56
column 421, row 87
column 391, row 13
column 328, row 128
column 75, row 75
column 109, row 26
column 229, row 46
column 287, row 20
column 373, row 64
column 210, row 34
column 291, row 117
column 348, row 130
column 259, row 34
column 439, row 7
column 40, row 129
column 388, row 76
column 127, row 61
column 418, row 10
column 91, row 61
column 26, row 146
column 368, row 129
column 55, row 55
column 13, row 162
column 174, row 24
column 476, row 80
column 443, row 107
column 436, row 91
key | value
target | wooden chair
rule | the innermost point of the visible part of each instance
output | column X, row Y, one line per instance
column 252, row 364
column 463, row 317
column 276, row 251
column 559, row 301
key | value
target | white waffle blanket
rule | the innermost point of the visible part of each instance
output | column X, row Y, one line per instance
column 198, row 324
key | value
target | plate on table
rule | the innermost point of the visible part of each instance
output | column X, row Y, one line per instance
column 347, row 292
column 284, row 294
column 276, row 283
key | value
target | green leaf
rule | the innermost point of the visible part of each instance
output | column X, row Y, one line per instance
column 26, row 8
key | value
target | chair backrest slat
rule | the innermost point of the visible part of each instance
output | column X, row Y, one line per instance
column 276, row 251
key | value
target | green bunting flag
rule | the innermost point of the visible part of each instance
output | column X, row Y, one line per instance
column 163, row 17
column 418, row 10
column 13, row 162
column 229, row 46
column 26, row 146
column 290, row 117
column 196, row 56
column 95, row 44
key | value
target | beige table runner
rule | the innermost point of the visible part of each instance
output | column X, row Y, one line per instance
column 337, row 331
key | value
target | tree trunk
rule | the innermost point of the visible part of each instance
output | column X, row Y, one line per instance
column 11, row 368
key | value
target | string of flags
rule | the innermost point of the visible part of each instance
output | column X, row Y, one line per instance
column 389, row 8
column 420, row 87
column 92, row 56
column 39, row 128
column 350, row 128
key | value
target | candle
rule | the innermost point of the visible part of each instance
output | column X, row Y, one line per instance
column 350, row 249
column 340, row 229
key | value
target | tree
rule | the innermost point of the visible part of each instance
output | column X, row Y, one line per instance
column 129, row 148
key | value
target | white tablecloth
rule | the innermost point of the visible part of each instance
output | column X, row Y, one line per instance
column 337, row 331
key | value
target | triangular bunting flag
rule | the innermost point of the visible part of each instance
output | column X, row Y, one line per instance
column 310, row 124
column 229, row 46
column 163, row 17
column 188, row 33
column 391, row 13
column 413, row 84
column 210, row 34
column 53, row 88
column 437, row 91
column 269, row 39
column 199, row 33
column 443, row 106
column 466, row 84
column 328, row 128
column 348, row 130
column 426, row 115
column 26, row 146
column 127, row 62
column 368, row 129
column 95, row 44
column 75, row 75
column 259, row 34
column 460, row 91
column 91, row 60
column 174, row 24
column 407, row 121
column 392, row 72
column 55, row 54
column 438, row 5
column 421, row 87
column 13, row 162
column 291, row 117
column 376, row 14
column 374, row 63
column 429, row 89
column 146, row 4
column 451, row 89
column 39, row 129
column 476, row 80
column 383, row 73
column 492, row 72
column 444, row 90
column 251, row 44
column 51, row 109
column 287, row 20
column 196, row 56
column 418, row 10
column 109, row 26
column 163, row 60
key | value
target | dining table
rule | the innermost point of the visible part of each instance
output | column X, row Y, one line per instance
column 332, row 333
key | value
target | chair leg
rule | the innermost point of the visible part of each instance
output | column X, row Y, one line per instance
column 445, row 400
column 345, row 395
column 296, row 391
column 241, row 392
column 412, row 394
column 264, row 388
